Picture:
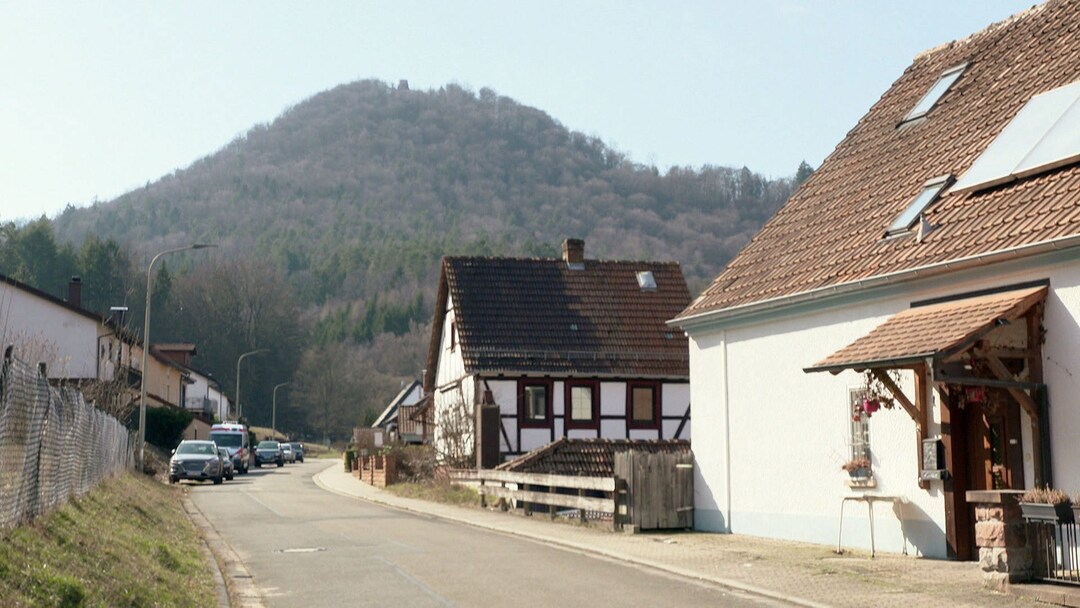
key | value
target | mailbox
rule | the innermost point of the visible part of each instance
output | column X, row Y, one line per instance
column 933, row 460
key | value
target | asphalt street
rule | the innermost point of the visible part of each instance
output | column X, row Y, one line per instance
column 304, row 546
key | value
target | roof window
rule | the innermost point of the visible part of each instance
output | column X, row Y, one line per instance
column 930, row 193
column 1044, row 135
column 936, row 92
column 646, row 281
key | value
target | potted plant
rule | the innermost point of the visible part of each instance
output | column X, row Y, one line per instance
column 857, row 468
column 1046, row 505
column 876, row 395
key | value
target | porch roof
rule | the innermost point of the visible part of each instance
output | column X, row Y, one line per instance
column 911, row 336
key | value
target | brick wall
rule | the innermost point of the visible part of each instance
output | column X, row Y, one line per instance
column 378, row 470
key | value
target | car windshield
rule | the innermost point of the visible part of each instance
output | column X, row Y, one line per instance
column 196, row 448
column 286, row 447
column 227, row 440
column 268, row 445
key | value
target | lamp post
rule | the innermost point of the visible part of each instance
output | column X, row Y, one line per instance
column 240, row 408
column 146, row 344
column 273, row 413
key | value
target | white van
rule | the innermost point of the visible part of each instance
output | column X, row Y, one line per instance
column 233, row 437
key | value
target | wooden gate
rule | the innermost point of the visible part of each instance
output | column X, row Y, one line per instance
column 659, row 489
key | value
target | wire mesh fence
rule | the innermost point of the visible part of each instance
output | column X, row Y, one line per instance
column 53, row 445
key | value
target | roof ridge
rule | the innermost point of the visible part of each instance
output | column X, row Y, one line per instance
column 986, row 31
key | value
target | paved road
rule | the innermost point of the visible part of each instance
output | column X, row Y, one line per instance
column 307, row 547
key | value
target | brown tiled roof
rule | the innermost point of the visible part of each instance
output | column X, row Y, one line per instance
column 587, row 457
column 539, row 315
column 830, row 233
column 923, row 331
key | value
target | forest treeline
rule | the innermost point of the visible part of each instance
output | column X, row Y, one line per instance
column 346, row 202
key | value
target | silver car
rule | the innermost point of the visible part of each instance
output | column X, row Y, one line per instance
column 198, row 460
column 229, row 470
column 290, row 455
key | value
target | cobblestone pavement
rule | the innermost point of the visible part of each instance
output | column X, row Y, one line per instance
column 796, row 573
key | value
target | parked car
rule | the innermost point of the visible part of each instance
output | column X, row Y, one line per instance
column 286, row 449
column 269, row 452
column 229, row 470
column 196, row 459
column 233, row 437
column 299, row 449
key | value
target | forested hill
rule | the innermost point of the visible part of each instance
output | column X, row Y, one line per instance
column 358, row 191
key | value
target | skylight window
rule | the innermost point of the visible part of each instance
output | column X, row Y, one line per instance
column 948, row 77
column 646, row 281
column 930, row 192
column 1044, row 135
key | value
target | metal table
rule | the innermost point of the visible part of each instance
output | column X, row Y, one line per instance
column 870, row 499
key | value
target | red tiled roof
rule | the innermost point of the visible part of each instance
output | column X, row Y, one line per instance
column 924, row 331
column 830, row 232
column 587, row 457
column 539, row 315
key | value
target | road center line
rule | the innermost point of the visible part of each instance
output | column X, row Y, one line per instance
column 268, row 507
column 405, row 575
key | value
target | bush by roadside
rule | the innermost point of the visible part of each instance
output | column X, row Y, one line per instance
column 422, row 477
column 127, row 543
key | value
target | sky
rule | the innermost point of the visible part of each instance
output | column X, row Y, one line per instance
column 97, row 99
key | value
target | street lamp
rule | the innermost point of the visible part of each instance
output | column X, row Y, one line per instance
column 146, row 344
column 273, row 414
column 240, row 408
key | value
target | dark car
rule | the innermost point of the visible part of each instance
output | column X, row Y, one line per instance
column 298, row 448
column 198, row 460
column 269, row 452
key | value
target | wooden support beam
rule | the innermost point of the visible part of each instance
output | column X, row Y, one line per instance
column 899, row 395
column 1002, row 373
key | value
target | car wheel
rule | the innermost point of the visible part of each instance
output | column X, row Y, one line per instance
column 258, row 465
column 281, row 464
column 217, row 480
column 173, row 480
column 228, row 478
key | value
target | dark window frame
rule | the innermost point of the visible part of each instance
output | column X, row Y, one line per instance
column 535, row 423
column 594, row 422
column 657, row 389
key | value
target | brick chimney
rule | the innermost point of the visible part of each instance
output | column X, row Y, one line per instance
column 573, row 253
column 75, row 292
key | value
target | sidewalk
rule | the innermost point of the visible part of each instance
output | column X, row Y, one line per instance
column 796, row 573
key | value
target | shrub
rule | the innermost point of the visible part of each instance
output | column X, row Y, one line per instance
column 165, row 426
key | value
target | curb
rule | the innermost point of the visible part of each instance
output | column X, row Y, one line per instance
column 235, row 586
column 673, row 570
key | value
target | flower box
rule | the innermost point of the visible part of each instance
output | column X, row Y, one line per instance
column 1061, row 513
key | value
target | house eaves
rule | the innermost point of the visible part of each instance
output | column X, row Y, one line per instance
column 743, row 313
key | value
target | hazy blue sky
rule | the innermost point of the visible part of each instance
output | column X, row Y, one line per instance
column 100, row 98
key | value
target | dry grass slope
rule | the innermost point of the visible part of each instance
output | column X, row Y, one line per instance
column 127, row 543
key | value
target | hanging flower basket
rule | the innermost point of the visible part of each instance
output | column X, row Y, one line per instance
column 871, row 405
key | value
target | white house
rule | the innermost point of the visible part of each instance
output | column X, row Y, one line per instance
column 937, row 249
column 391, row 418
column 564, row 347
column 84, row 348
column 75, row 344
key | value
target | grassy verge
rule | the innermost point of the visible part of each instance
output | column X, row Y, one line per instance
column 127, row 543
column 451, row 494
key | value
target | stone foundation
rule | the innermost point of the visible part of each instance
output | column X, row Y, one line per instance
column 1001, row 536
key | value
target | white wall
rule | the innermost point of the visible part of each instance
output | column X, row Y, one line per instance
column 44, row 331
column 769, row 439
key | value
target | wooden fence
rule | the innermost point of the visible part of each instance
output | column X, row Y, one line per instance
column 648, row 492
column 660, row 489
